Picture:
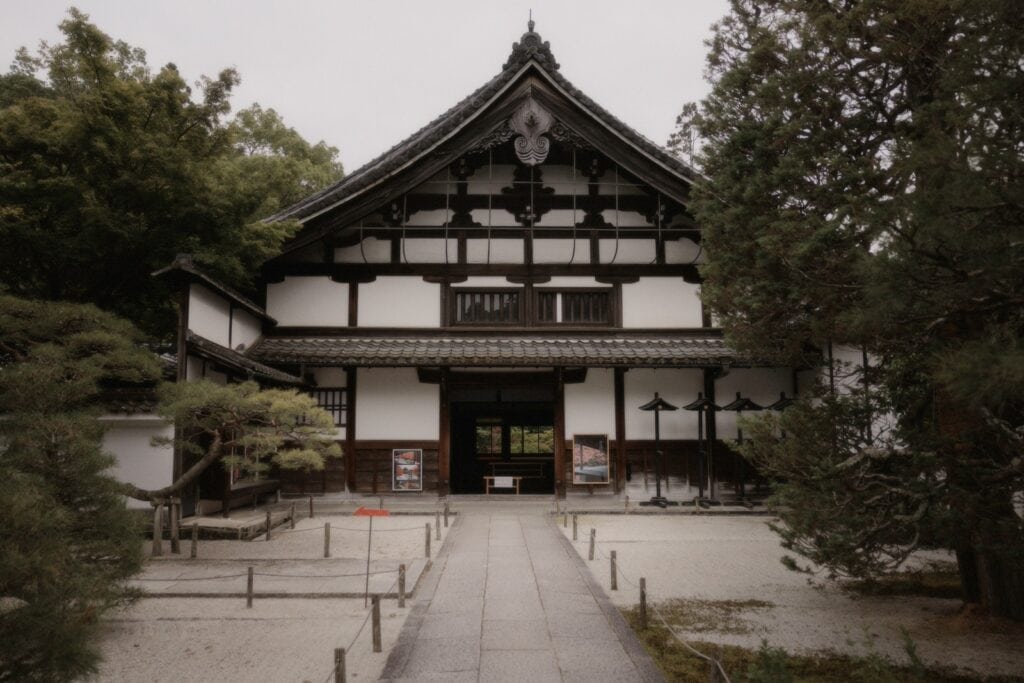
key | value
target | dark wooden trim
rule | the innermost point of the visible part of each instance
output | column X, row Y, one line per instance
column 461, row 247
column 353, row 304
column 614, row 307
column 368, row 272
column 617, row 321
column 618, row 279
column 659, row 250
column 503, row 379
column 559, row 400
column 444, row 279
column 444, row 437
column 620, row 429
column 521, row 295
column 350, row 429
column 705, row 314
column 595, row 249
column 528, row 279
column 711, row 425
column 460, row 331
column 396, row 249
column 231, row 324
column 182, row 350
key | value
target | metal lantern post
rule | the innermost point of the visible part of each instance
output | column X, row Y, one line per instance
column 703, row 406
column 739, row 405
column 780, row 405
column 658, row 404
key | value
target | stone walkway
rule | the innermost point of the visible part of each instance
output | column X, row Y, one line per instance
column 508, row 599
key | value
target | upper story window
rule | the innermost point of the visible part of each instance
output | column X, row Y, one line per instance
column 487, row 307
column 333, row 401
column 575, row 307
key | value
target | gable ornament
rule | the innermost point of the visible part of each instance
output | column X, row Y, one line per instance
column 531, row 121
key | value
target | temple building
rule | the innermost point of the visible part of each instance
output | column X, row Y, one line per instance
column 487, row 305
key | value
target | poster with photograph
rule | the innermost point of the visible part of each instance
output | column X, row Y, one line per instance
column 590, row 462
column 407, row 469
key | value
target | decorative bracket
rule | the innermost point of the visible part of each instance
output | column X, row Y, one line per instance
column 531, row 121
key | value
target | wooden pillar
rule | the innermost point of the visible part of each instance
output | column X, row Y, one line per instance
column 445, row 438
column 620, row 429
column 710, row 425
column 560, row 486
column 350, row 429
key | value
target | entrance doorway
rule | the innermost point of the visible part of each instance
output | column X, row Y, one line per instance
column 515, row 439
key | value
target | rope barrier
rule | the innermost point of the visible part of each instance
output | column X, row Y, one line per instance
column 198, row 578
column 661, row 617
column 369, row 613
column 324, row 576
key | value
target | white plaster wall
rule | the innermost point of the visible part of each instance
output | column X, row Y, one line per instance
column 193, row 368
column 848, row 363
column 139, row 462
column 630, row 251
column 677, row 386
column 308, row 301
column 760, row 385
column 503, row 250
column 391, row 403
column 208, row 314
column 424, row 250
column 590, row 405
column 245, row 328
column 560, row 251
column 397, row 301
column 683, row 251
column 660, row 302
column 373, row 251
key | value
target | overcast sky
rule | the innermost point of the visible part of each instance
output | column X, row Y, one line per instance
column 362, row 75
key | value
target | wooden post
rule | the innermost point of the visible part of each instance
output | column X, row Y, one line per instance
column 627, row 503
column 327, row 539
column 615, row 574
column 291, row 516
column 311, row 507
column 575, row 535
column 376, row 623
column 713, row 672
column 158, row 528
column 643, row 602
column 437, row 526
column 255, row 502
column 565, row 520
column 590, row 555
column 277, row 496
column 339, row 665
column 401, row 585
column 248, row 590
column 175, row 510
column 426, row 551
column 268, row 525
column 195, row 540
column 446, row 514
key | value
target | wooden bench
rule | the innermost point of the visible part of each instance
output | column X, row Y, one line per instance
column 501, row 482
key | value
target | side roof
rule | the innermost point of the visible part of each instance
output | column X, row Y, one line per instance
column 183, row 269
column 530, row 52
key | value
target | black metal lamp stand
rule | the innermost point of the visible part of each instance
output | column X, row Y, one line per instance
column 658, row 404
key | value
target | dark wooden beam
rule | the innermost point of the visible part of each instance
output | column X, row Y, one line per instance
column 368, row 272
column 559, row 390
column 444, row 437
column 350, row 429
column 501, row 379
column 620, row 429
column 353, row 304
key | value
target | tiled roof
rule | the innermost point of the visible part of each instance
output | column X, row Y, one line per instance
column 183, row 266
column 530, row 47
column 496, row 351
column 213, row 351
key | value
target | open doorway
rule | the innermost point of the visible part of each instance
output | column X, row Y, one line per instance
column 511, row 439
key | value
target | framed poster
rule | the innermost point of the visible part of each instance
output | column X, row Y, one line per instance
column 590, row 461
column 407, row 469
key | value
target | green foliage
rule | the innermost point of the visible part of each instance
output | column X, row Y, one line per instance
column 67, row 542
column 109, row 169
column 770, row 666
column 864, row 184
column 244, row 427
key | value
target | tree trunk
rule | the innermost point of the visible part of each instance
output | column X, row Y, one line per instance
column 1000, row 569
column 213, row 454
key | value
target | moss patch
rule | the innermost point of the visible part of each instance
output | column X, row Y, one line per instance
column 935, row 580
column 772, row 665
column 706, row 616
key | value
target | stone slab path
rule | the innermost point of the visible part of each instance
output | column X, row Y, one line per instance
column 508, row 599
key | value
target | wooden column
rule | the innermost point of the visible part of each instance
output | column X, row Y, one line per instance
column 353, row 304
column 444, row 438
column 710, row 427
column 350, row 429
column 560, row 486
column 620, row 429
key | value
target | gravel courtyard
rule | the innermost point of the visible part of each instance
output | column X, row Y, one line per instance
column 717, row 557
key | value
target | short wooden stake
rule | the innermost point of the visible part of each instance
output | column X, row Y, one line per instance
column 291, row 516
column 327, row 539
column 446, row 514
column 627, row 503
column 713, row 672
column 248, row 590
column 277, row 496
column 195, row 541
column 426, row 551
column 565, row 520
column 643, row 602
column 175, row 509
column 158, row 529
column 615, row 573
column 575, row 521
column 593, row 533
column 311, row 507
column 376, row 623
column 437, row 525
column 339, row 665
column 268, row 525
column 401, row 585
